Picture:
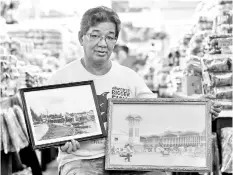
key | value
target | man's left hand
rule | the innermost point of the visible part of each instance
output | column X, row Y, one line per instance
column 215, row 109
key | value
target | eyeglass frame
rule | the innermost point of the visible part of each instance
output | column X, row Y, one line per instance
column 100, row 38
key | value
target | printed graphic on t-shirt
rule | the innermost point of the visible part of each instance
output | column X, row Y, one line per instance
column 103, row 105
column 103, row 100
column 120, row 92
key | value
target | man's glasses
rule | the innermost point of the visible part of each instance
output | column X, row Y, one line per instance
column 97, row 38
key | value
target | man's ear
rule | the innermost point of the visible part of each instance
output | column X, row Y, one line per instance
column 80, row 38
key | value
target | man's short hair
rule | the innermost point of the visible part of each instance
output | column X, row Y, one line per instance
column 94, row 16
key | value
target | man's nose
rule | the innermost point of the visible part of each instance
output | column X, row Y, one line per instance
column 102, row 41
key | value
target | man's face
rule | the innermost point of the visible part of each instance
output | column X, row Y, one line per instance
column 97, row 43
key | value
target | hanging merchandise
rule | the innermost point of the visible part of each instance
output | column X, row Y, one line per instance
column 14, row 137
column 208, row 63
column 14, row 134
column 191, row 81
column 217, row 73
column 8, row 11
column 193, row 66
column 191, row 63
column 220, row 86
column 3, row 50
column 217, row 61
column 219, row 44
column 39, row 39
column 219, row 80
column 218, row 65
column 177, row 75
column 12, row 46
column 217, row 77
column 9, row 75
column 223, row 19
column 227, row 149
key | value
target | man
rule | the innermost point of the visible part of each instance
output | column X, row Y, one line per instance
column 98, row 34
column 122, row 53
column 128, row 152
column 123, row 57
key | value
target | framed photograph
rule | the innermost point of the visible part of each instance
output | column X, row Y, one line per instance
column 58, row 113
column 159, row 134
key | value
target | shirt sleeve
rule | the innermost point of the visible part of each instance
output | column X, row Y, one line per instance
column 142, row 90
column 55, row 78
column 51, row 81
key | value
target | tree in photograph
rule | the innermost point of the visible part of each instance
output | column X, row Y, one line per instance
column 35, row 117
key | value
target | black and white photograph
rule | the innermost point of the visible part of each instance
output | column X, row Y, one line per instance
column 158, row 134
column 165, row 49
column 62, row 112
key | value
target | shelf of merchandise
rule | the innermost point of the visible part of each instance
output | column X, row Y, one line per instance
column 217, row 77
column 221, row 36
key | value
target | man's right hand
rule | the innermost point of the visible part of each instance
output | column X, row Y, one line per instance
column 70, row 146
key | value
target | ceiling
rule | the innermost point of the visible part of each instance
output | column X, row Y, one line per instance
column 176, row 17
column 173, row 16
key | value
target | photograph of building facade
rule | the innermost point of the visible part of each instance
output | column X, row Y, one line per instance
column 150, row 142
column 171, row 139
column 166, row 148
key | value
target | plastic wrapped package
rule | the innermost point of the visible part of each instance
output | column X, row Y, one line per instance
column 217, row 36
column 20, row 116
column 12, row 134
column 225, row 4
column 209, row 58
column 226, row 108
column 226, row 144
column 194, row 58
column 214, row 47
column 193, row 69
column 5, row 136
column 218, row 65
column 222, row 41
column 223, row 79
column 226, row 43
column 226, row 105
column 224, row 92
column 17, row 135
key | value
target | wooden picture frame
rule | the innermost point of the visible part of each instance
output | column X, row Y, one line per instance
column 164, row 134
column 56, row 114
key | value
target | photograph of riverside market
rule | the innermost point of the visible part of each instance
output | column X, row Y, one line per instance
column 52, row 126
column 57, row 113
